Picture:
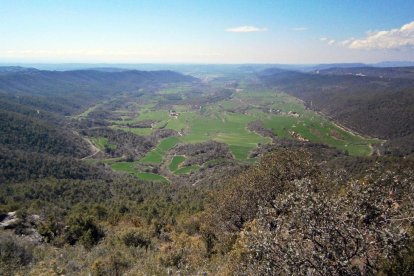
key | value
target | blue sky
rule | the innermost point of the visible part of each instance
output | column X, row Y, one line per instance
column 208, row 31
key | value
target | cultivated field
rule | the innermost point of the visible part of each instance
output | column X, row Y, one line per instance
column 200, row 115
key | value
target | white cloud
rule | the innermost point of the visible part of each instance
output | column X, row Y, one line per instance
column 391, row 39
column 246, row 29
column 328, row 41
column 331, row 42
column 300, row 29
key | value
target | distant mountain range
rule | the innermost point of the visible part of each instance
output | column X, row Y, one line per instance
column 185, row 68
column 69, row 91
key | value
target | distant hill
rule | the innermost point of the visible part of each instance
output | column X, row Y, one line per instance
column 15, row 69
column 373, row 105
column 394, row 64
column 390, row 72
column 51, row 83
column 108, row 69
column 69, row 91
column 334, row 65
column 310, row 67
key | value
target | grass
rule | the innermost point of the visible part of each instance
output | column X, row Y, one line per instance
column 175, row 166
column 168, row 143
column 228, row 128
column 156, row 155
column 227, row 120
column 87, row 111
column 142, row 131
column 315, row 128
column 175, row 162
column 129, row 167
column 187, row 170
column 151, row 177
column 102, row 142
column 240, row 152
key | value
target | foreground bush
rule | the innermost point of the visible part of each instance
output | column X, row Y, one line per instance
column 299, row 222
column 84, row 230
column 14, row 254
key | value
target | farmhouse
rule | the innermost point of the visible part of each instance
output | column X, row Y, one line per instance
column 293, row 114
column 174, row 114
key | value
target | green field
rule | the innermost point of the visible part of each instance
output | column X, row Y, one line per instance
column 211, row 125
column 226, row 121
column 87, row 111
column 223, row 121
column 187, row 170
column 151, row 177
column 175, row 162
column 129, row 167
column 157, row 154
column 102, row 142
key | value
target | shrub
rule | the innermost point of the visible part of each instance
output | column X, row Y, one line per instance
column 14, row 254
column 113, row 264
column 83, row 230
column 136, row 239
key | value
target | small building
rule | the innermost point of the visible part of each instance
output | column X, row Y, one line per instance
column 293, row 114
column 174, row 114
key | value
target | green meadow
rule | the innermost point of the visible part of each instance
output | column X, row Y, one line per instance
column 157, row 154
column 101, row 143
column 176, row 162
column 187, row 169
column 227, row 121
column 129, row 167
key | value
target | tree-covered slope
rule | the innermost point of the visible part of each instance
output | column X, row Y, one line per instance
column 20, row 132
column 66, row 92
column 374, row 105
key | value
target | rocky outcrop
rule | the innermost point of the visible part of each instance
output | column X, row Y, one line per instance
column 24, row 226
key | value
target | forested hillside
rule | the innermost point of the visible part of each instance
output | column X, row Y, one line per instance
column 20, row 132
column 67, row 92
column 38, row 139
column 373, row 101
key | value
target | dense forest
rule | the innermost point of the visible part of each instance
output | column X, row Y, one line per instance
column 292, row 207
column 66, row 92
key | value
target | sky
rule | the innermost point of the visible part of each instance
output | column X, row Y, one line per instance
column 206, row 31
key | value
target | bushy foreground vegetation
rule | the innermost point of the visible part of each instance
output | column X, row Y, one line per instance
column 288, row 215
